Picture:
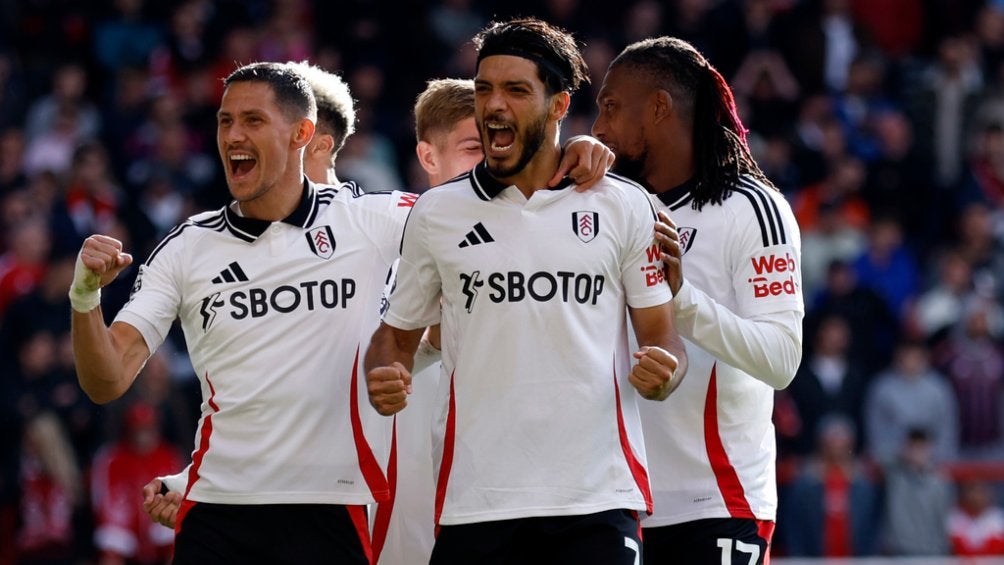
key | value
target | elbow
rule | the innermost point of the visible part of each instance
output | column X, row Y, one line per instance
column 784, row 372
column 101, row 397
column 100, row 393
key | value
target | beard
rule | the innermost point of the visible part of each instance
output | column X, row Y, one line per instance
column 631, row 167
column 532, row 141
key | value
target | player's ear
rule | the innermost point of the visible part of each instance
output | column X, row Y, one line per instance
column 323, row 143
column 559, row 105
column 662, row 104
column 427, row 157
column 303, row 132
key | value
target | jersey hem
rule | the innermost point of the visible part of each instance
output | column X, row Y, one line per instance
column 659, row 521
column 455, row 520
column 281, row 498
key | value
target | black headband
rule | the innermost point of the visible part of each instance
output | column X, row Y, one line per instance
column 543, row 61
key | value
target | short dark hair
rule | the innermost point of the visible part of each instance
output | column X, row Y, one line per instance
column 292, row 91
column 336, row 113
column 560, row 65
column 442, row 104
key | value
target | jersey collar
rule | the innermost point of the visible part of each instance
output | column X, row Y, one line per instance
column 678, row 195
column 487, row 187
column 250, row 229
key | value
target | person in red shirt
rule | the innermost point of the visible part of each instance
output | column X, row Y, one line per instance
column 123, row 533
column 976, row 524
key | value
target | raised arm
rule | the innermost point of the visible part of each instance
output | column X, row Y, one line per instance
column 662, row 357
column 107, row 359
column 388, row 365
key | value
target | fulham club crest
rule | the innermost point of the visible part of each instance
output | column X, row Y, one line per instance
column 687, row 236
column 585, row 225
column 321, row 241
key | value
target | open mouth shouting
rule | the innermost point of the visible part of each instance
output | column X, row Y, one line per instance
column 501, row 138
column 241, row 164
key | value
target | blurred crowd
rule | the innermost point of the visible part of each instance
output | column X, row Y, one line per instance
column 881, row 120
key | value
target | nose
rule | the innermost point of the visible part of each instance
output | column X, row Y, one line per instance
column 231, row 133
column 493, row 101
column 598, row 129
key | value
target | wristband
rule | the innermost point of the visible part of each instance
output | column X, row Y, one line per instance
column 425, row 356
column 85, row 291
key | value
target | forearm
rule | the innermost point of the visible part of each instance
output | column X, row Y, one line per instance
column 768, row 349
column 389, row 344
column 105, row 366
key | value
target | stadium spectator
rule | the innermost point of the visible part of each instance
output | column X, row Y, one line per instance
column 122, row 533
column 829, row 381
column 51, row 494
column 939, row 307
column 888, row 265
column 976, row 522
column 972, row 359
column 832, row 507
column 911, row 395
column 918, row 498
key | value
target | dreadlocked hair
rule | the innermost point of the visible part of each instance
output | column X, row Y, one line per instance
column 702, row 96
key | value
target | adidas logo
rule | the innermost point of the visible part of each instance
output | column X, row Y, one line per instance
column 232, row 273
column 476, row 236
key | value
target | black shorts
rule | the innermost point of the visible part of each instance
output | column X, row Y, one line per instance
column 604, row 538
column 219, row 534
column 716, row 541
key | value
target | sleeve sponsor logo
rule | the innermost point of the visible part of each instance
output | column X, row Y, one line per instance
column 653, row 271
column 774, row 275
column 407, row 200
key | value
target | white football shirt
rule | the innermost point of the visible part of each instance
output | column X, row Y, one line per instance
column 711, row 443
column 276, row 316
column 535, row 414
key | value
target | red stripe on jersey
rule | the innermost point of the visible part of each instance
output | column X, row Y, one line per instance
column 637, row 468
column 198, row 456
column 367, row 461
column 728, row 480
column 447, row 461
column 358, row 516
column 381, row 522
column 765, row 529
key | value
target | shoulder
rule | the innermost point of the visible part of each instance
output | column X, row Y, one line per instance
column 627, row 191
column 191, row 230
column 763, row 208
column 348, row 199
column 455, row 193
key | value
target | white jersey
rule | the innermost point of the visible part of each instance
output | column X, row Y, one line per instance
column 711, row 444
column 276, row 316
column 535, row 415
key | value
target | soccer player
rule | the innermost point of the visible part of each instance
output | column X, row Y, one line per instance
column 273, row 293
column 670, row 118
column 538, row 440
column 448, row 144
